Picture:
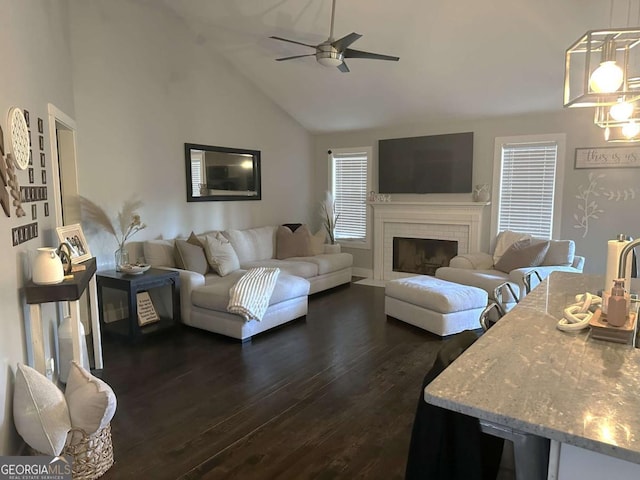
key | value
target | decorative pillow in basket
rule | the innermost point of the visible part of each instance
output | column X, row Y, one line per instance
column 75, row 424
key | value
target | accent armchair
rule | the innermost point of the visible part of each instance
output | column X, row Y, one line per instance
column 518, row 263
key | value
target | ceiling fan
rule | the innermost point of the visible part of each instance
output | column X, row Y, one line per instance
column 331, row 53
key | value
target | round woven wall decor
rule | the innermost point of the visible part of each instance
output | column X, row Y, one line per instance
column 19, row 138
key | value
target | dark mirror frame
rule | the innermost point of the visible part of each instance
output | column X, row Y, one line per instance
column 214, row 197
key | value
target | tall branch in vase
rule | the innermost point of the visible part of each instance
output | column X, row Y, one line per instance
column 329, row 216
column 127, row 225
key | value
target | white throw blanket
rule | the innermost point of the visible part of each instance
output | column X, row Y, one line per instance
column 250, row 296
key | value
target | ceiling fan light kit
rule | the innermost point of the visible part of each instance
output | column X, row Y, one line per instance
column 331, row 53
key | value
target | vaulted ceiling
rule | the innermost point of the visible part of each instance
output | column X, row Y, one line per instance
column 458, row 59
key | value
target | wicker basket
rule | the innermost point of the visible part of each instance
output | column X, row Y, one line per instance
column 92, row 454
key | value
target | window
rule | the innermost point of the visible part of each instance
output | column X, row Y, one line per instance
column 349, row 183
column 528, row 182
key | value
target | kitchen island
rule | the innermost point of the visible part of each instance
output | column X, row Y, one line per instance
column 525, row 374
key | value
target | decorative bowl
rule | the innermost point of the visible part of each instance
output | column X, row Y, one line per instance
column 136, row 269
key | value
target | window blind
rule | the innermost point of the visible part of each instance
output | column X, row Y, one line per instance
column 527, row 185
column 350, row 194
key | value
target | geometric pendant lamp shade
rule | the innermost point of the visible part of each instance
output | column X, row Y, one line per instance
column 603, row 68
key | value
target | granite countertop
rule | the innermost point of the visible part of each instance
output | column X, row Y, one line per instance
column 526, row 374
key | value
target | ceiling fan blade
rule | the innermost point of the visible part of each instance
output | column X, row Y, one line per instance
column 345, row 41
column 295, row 56
column 349, row 53
column 293, row 41
column 343, row 68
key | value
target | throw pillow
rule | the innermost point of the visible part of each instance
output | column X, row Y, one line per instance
column 504, row 240
column 40, row 411
column 191, row 257
column 293, row 244
column 521, row 254
column 194, row 240
column 292, row 226
column 220, row 254
column 92, row 403
column 561, row 252
column 317, row 242
column 159, row 253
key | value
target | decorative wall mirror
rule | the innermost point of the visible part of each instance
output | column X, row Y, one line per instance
column 221, row 173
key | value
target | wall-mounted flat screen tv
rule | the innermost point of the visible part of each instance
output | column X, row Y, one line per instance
column 430, row 164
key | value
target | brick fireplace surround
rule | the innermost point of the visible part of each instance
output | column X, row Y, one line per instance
column 459, row 221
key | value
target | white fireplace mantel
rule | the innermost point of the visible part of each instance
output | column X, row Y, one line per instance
column 459, row 221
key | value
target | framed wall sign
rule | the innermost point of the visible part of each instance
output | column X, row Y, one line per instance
column 608, row 157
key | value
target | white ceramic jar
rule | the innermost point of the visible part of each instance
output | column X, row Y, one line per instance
column 47, row 267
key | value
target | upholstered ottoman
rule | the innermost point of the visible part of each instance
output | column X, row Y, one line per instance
column 435, row 305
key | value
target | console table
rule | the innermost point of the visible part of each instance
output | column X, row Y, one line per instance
column 131, row 285
column 69, row 290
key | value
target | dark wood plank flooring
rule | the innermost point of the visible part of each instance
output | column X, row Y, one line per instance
column 331, row 396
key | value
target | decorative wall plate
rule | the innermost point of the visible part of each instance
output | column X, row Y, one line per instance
column 19, row 134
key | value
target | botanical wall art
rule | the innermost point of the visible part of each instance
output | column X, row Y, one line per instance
column 589, row 196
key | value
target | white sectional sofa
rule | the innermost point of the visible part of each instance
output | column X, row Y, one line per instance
column 204, row 296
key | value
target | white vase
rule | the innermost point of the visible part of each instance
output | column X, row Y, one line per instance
column 47, row 267
column 65, row 346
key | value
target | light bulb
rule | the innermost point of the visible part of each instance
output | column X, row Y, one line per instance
column 607, row 134
column 621, row 111
column 607, row 78
column 630, row 130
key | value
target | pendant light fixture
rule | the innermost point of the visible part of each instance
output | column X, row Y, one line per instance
column 601, row 67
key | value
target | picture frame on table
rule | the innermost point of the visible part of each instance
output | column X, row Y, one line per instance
column 73, row 236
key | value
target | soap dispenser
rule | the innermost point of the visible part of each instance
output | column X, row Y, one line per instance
column 617, row 308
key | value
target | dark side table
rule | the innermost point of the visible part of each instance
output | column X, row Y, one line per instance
column 151, row 281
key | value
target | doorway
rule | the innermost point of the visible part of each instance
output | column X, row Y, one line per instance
column 62, row 134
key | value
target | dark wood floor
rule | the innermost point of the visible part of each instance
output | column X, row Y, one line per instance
column 331, row 396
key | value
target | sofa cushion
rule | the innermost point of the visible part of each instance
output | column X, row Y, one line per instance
column 327, row 263
column 504, row 241
column 254, row 243
column 214, row 295
column 317, row 242
column 92, row 403
column 220, row 254
column 304, row 269
column 190, row 257
column 521, row 254
column 40, row 411
column 488, row 280
column 159, row 253
column 561, row 252
column 293, row 243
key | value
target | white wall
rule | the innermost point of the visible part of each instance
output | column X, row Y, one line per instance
column 35, row 53
column 144, row 85
column 617, row 216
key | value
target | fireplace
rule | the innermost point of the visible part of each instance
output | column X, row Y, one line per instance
column 456, row 221
column 422, row 255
